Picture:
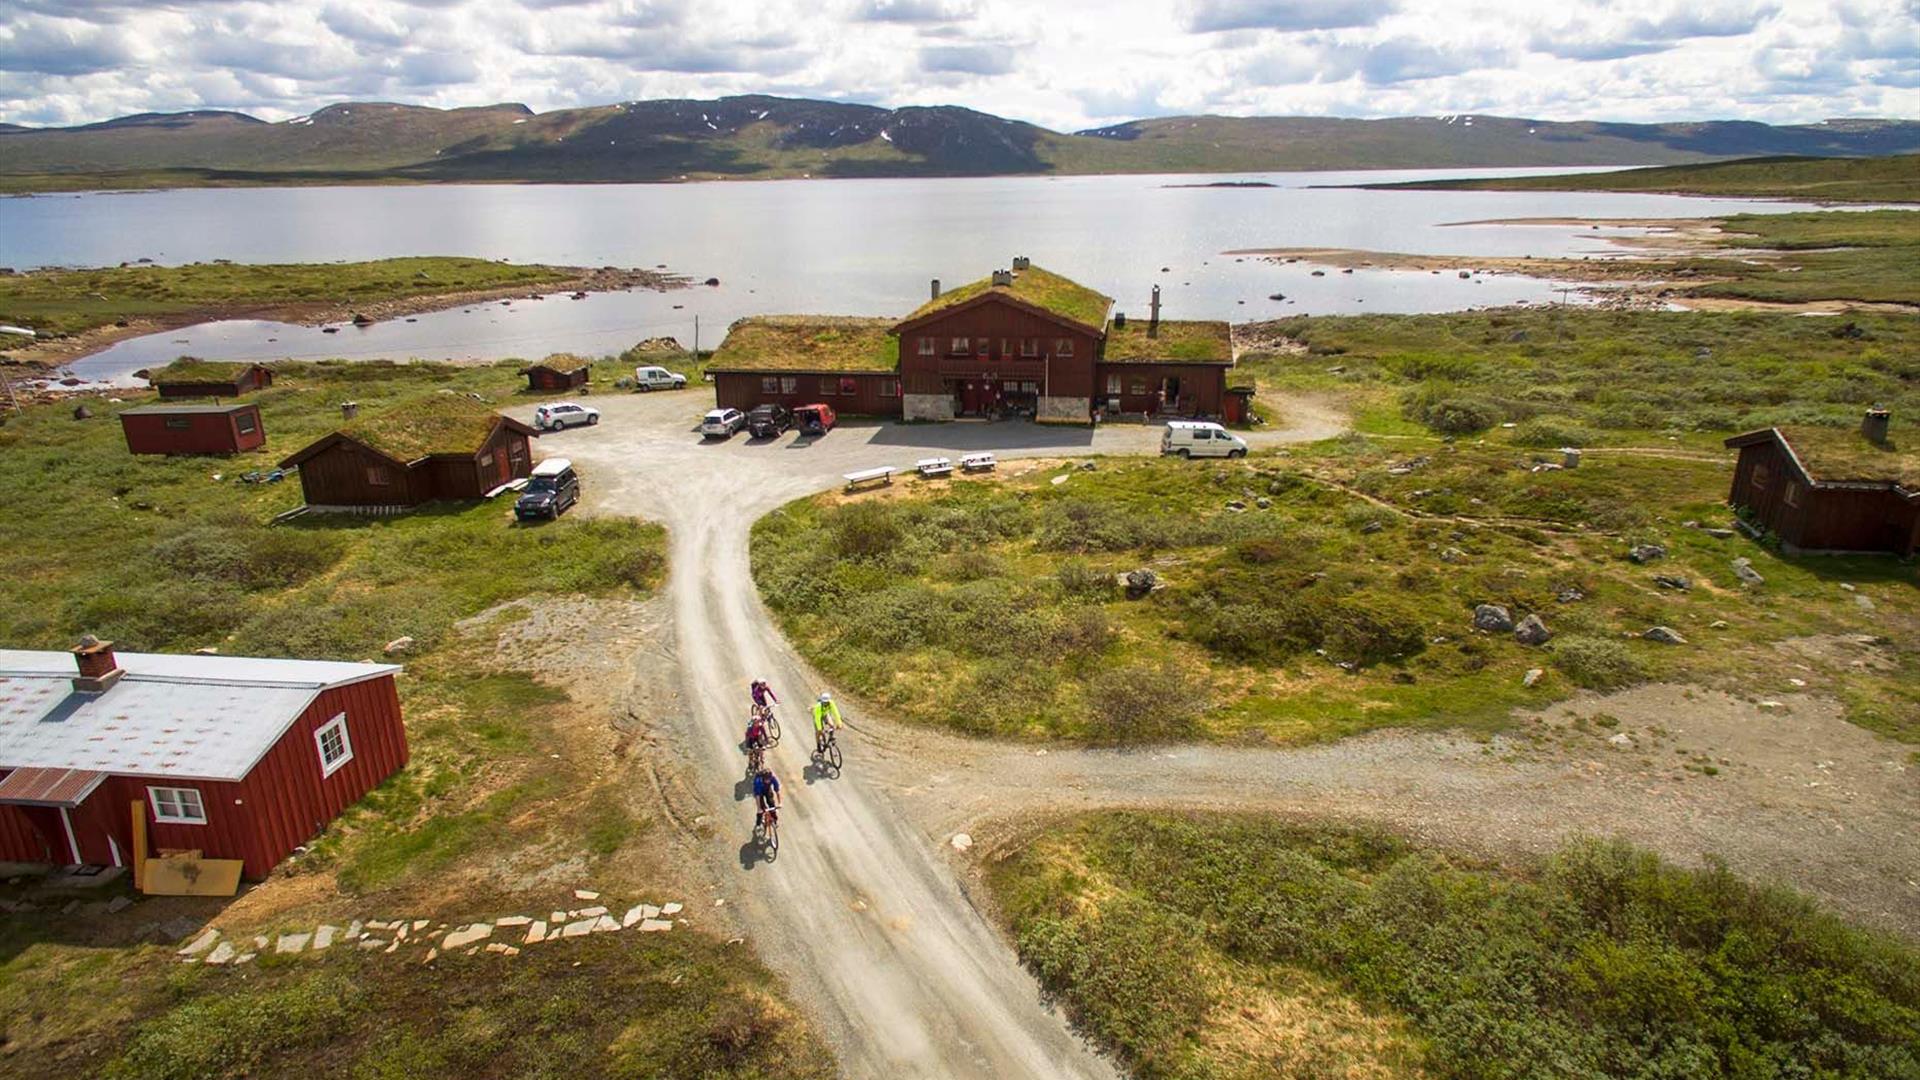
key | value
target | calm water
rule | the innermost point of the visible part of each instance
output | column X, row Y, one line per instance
column 842, row 247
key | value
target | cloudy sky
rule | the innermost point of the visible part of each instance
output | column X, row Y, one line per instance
column 1064, row 63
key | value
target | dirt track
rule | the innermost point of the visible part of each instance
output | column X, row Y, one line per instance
column 865, row 909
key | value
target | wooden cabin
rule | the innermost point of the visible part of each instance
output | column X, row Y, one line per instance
column 444, row 446
column 237, row 757
column 193, row 429
column 1023, row 341
column 188, row 377
column 1830, row 489
column 558, row 372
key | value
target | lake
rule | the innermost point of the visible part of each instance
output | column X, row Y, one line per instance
column 860, row 247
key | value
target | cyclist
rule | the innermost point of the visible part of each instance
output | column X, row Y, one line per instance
column 766, row 792
column 826, row 718
column 756, row 733
column 763, row 696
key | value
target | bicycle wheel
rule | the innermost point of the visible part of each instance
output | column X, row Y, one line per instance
column 773, row 731
column 833, row 754
column 773, row 837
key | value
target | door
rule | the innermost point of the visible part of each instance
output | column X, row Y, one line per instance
column 1170, row 391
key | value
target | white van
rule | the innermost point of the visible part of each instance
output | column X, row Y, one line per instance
column 1201, row 438
column 658, row 378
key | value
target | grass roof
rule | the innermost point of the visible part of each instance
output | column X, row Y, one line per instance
column 1179, row 341
column 191, row 369
column 430, row 424
column 1841, row 454
column 560, row 361
column 1042, row 288
column 808, row 343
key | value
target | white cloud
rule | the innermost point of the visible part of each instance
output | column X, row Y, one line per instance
column 1068, row 64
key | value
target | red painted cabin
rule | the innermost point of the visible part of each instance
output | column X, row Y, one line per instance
column 551, row 375
column 238, row 757
column 448, row 447
column 193, row 429
column 1830, row 489
column 191, row 378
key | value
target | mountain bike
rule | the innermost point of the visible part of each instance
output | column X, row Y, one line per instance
column 765, row 713
column 828, row 757
column 766, row 830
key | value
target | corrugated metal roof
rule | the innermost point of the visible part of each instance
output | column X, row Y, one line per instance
column 49, row 787
column 183, row 410
column 201, row 717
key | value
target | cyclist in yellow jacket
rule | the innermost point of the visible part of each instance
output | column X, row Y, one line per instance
column 826, row 717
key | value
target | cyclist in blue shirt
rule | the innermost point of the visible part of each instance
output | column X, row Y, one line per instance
column 766, row 791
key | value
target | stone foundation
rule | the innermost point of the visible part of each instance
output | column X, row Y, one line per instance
column 1069, row 409
column 926, row 407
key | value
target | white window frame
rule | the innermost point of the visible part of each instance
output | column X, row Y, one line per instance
column 928, row 346
column 178, row 797
column 338, row 723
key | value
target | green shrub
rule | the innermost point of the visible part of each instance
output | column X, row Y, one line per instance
column 866, row 530
column 1597, row 663
column 1129, row 974
column 1553, row 432
column 1079, row 581
column 225, row 1034
column 1141, row 702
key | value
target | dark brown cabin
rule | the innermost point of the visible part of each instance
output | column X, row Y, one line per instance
column 847, row 362
column 549, row 375
column 1829, row 489
column 191, row 378
column 193, row 429
column 445, row 447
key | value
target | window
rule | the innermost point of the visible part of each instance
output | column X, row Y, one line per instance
column 984, row 344
column 1063, row 347
column 1030, row 346
column 1137, row 386
column 829, row 386
column 957, row 345
column 926, row 346
column 1761, row 475
column 770, row 384
column 486, row 460
column 1113, row 385
column 789, row 384
column 243, row 423
column 849, row 386
column 889, row 387
column 517, row 452
column 1793, row 493
column 177, row 806
column 379, row 475
column 179, row 423
column 335, row 748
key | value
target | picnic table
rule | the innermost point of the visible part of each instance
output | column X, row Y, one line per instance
column 934, row 466
column 880, row 476
column 982, row 462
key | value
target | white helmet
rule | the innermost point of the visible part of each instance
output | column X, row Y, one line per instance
column 826, row 697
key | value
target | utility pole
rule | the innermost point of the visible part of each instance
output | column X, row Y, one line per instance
column 696, row 338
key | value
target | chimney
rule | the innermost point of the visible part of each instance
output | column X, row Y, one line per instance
column 1153, row 317
column 1874, row 425
column 1119, row 320
column 934, row 290
column 1002, row 278
column 98, row 669
column 349, row 410
column 1021, row 262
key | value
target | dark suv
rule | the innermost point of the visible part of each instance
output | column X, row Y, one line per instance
column 767, row 421
column 552, row 488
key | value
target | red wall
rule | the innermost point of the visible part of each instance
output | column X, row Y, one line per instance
column 282, row 803
column 744, row 389
column 1203, row 387
column 205, row 433
column 541, row 378
column 1003, row 326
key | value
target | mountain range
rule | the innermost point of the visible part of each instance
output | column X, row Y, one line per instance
column 759, row 136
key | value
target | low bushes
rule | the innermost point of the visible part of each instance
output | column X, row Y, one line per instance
column 1597, row 663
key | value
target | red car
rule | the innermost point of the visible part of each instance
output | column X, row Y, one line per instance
column 814, row 419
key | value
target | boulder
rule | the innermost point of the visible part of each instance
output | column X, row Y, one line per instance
column 398, row 645
column 1646, row 553
column 1569, row 595
column 1532, row 676
column 1719, row 534
column 81, row 412
column 1665, row 635
column 1532, row 631
column 1492, row 618
column 1743, row 569
column 1672, row 581
column 1141, row 582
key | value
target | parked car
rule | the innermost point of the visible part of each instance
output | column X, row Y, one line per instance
column 722, row 423
column 1201, row 438
column 658, row 378
column 555, row 415
column 552, row 487
column 814, row 419
column 767, row 421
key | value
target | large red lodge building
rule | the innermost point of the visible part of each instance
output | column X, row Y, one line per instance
column 1021, row 341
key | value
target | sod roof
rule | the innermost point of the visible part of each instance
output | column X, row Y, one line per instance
column 430, row 424
column 1837, row 455
column 189, row 369
column 808, row 343
column 1063, row 297
column 560, row 362
column 1177, row 341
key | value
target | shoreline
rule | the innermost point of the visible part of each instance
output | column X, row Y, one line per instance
column 43, row 359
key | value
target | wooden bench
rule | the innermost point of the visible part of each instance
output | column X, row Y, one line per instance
column 934, row 466
column 977, row 463
column 878, row 477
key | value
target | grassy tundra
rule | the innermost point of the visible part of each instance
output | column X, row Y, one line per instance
column 174, row 554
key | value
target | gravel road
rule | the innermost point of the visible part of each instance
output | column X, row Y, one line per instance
column 866, row 909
